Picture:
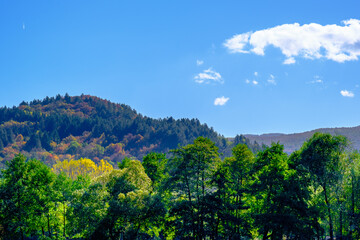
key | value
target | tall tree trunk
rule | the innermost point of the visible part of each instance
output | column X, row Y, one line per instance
column 64, row 221
column 352, row 208
column 188, row 191
column 22, row 233
column 268, row 200
column 48, row 222
column 329, row 213
column 341, row 223
column 265, row 234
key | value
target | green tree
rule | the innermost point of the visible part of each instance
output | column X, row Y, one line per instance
column 39, row 179
column 191, row 171
column 73, row 148
column 350, row 211
column 133, row 211
column 13, row 197
column 232, row 181
column 1, row 145
column 321, row 155
column 154, row 165
column 26, row 198
column 62, row 196
column 92, row 203
column 125, row 162
column 281, row 207
column 270, row 170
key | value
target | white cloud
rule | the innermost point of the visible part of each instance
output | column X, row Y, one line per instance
column 255, row 82
column 247, row 81
column 23, row 26
column 237, row 43
column 271, row 80
column 312, row 41
column 347, row 93
column 220, row 101
column 289, row 60
column 208, row 76
column 199, row 62
column 256, row 74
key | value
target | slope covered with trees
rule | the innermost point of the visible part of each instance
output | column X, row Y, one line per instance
column 65, row 127
column 189, row 194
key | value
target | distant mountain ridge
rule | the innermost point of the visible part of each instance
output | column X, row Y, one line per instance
column 294, row 141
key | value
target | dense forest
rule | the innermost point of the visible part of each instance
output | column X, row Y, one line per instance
column 65, row 127
column 189, row 193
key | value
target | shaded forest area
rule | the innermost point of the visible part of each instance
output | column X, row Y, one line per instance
column 190, row 193
column 65, row 127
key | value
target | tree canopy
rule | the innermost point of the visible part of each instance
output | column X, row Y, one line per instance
column 191, row 193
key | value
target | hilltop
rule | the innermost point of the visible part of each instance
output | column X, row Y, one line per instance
column 70, row 127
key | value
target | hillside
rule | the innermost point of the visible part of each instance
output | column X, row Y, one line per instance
column 65, row 127
column 294, row 141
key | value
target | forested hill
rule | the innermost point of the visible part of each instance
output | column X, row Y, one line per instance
column 65, row 127
column 294, row 141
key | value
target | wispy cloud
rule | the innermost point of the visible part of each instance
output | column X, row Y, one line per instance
column 256, row 74
column 271, row 79
column 254, row 82
column 199, row 62
column 220, row 101
column 23, row 26
column 312, row 41
column 289, row 60
column 208, row 76
column 317, row 79
column 347, row 93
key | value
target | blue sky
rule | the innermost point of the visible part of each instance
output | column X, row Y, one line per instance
column 239, row 66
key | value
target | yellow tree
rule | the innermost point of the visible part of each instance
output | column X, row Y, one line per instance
column 83, row 166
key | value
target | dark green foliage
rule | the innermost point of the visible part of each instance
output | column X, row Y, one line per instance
column 192, row 168
column 254, row 147
column 34, row 142
column 25, row 197
column 124, row 163
column 282, row 199
column 154, row 164
column 231, row 180
column 312, row 194
column 88, row 118
column 13, row 199
column 322, row 157
column 91, row 204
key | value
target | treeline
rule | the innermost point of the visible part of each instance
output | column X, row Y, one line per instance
column 190, row 194
column 65, row 127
